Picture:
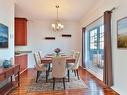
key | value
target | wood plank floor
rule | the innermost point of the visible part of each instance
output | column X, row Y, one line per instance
column 95, row 86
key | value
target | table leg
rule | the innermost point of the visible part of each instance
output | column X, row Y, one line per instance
column 18, row 78
column 49, row 68
column 11, row 79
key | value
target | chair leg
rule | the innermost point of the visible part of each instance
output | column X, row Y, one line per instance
column 77, row 74
column 68, row 75
column 46, row 75
column 49, row 67
column 64, row 82
column 53, row 83
column 38, row 73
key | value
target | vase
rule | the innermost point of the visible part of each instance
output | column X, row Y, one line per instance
column 57, row 54
column 6, row 63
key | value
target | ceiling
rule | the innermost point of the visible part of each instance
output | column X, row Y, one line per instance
column 70, row 10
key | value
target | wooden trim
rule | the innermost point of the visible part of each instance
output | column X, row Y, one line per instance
column 21, row 18
column 49, row 38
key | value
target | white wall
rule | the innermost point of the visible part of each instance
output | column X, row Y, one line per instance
column 7, row 18
column 119, row 55
column 38, row 30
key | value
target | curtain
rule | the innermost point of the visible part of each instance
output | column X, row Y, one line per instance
column 108, row 78
column 83, row 46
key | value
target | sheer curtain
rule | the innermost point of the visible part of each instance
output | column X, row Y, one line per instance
column 93, row 47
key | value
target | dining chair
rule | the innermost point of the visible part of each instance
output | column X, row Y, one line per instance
column 41, row 56
column 58, row 69
column 72, row 53
column 74, row 66
column 39, row 66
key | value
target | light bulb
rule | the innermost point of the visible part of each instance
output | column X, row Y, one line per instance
column 53, row 25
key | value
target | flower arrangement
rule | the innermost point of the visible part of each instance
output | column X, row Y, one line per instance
column 57, row 50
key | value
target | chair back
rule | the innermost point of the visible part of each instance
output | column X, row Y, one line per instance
column 37, row 60
column 58, row 67
column 40, row 54
column 77, row 60
column 72, row 53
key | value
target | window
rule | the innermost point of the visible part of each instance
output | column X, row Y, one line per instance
column 101, row 38
column 96, row 36
column 93, row 39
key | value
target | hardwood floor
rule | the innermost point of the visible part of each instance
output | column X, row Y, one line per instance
column 95, row 86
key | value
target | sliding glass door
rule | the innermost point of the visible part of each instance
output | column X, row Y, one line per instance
column 93, row 49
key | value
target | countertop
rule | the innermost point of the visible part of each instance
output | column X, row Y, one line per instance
column 20, row 53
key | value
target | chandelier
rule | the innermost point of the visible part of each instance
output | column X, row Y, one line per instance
column 57, row 26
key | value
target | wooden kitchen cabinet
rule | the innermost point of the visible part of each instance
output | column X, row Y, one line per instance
column 20, row 31
column 22, row 60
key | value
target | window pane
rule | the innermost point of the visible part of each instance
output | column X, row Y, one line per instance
column 93, row 39
column 101, row 28
column 97, row 38
column 101, row 45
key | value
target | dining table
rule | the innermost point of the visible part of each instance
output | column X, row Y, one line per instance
column 48, row 59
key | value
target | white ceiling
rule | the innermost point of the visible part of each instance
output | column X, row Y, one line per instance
column 70, row 10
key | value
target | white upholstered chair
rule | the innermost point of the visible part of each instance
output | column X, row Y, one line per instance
column 74, row 66
column 73, row 53
column 40, row 67
column 47, row 65
column 40, row 54
column 58, row 69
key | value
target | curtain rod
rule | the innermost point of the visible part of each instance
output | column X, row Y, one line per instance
column 94, row 21
column 100, row 17
column 113, row 9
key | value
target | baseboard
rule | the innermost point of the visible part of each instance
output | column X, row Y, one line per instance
column 115, row 90
column 23, row 70
column 98, row 79
column 93, row 73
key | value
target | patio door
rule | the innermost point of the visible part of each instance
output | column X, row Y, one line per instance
column 93, row 48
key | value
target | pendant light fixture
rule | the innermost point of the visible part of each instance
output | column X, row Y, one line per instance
column 57, row 26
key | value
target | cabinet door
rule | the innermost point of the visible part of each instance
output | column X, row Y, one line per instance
column 17, row 60
column 22, row 61
column 20, row 31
